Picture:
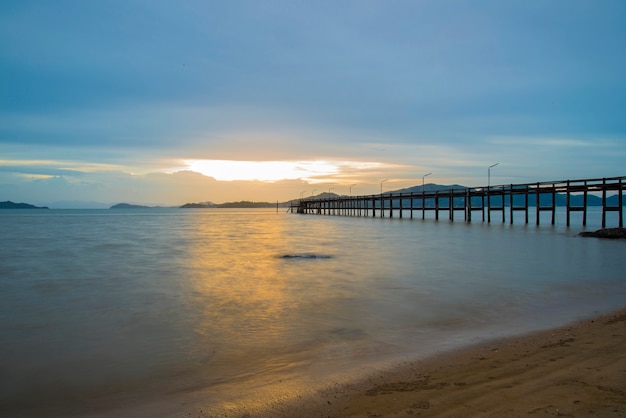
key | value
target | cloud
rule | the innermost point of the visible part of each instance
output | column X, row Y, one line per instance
column 39, row 171
column 110, row 98
column 546, row 142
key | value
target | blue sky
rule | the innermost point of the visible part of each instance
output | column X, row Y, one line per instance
column 167, row 102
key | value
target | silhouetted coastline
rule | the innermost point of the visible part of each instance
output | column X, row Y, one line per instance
column 11, row 205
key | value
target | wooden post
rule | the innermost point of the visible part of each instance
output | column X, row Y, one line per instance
column 620, row 202
column 451, row 205
column 465, row 206
column 482, row 203
column 585, row 205
column 538, row 203
column 469, row 206
column 553, row 204
column 526, row 203
column 488, row 204
column 603, row 203
column 567, row 203
column 503, row 205
column 510, row 204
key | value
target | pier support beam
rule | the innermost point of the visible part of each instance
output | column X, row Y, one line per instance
column 610, row 189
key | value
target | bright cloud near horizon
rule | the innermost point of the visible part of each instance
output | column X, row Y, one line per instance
column 168, row 102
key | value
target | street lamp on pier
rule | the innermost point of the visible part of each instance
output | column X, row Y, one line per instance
column 352, row 185
column 381, row 185
column 424, row 196
column 488, row 191
column 423, row 177
column 489, row 173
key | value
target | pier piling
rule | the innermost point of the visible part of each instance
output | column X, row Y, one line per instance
column 520, row 198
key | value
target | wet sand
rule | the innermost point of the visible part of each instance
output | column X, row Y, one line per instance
column 578, row 370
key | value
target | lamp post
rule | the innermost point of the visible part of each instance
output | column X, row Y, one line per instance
column 489, row 173
column 329, row 189
column 382, row 201
column 351, row 203
column 423, row 177
column 488, row 190
column 314, row 190
column 424, row 196
column 381, row 185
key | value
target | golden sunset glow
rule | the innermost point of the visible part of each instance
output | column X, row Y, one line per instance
column 227, row 170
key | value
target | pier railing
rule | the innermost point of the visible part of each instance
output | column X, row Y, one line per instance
column 514, row 198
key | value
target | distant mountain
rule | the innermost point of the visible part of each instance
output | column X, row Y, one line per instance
column 614, row 200
column 129, row 206
column 241, row 204
column 11, row 205
column 246, row 204
column 203, row 205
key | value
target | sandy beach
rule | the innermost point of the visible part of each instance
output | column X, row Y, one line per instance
column 578, row 370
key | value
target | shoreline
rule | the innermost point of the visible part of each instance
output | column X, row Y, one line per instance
column 574, row 370
column 578, row 369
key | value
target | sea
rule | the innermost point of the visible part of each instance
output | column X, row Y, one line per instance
column 102, row 309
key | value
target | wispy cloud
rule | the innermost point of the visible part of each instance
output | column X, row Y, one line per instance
column 534, row 141
column 99, row 96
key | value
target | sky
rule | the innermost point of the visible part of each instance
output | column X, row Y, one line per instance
column 169, row 102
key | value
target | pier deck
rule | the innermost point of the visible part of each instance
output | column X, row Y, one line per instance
column 515, row 198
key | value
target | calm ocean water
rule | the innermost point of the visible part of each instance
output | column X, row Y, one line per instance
column 101, row 306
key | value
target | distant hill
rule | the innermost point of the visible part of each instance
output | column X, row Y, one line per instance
column 197, row 205
column 246, row 204
column 11, row 205
column 131, row 206
column 241, row 204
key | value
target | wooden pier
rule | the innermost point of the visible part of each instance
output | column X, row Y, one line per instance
column 516, row 199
